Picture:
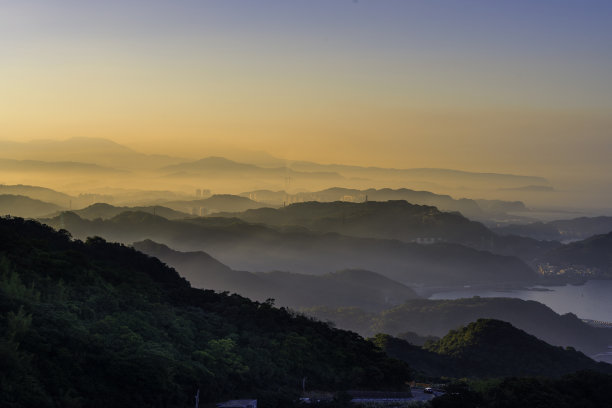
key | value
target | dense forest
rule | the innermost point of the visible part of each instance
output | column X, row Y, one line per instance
column 98, row 324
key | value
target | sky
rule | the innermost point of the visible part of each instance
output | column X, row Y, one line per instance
column 502, row 86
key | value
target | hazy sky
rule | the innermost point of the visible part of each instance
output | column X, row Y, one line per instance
column 522, row 86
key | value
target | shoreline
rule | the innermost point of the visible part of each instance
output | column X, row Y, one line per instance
column 508, row 287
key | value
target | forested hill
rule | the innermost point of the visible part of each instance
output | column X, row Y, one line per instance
column 98, row 324
column 488, row 348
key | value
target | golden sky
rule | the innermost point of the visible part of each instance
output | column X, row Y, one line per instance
column 523, row 87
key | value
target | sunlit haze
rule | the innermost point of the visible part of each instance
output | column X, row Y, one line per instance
column 522, row 87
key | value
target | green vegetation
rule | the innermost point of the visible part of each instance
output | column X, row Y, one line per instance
column 97, row 324
column 493, row 348
column 488, row 348
column 437, row 317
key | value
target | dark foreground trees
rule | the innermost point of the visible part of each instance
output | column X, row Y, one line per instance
column 97, row 324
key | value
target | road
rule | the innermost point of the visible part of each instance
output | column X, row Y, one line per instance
column 419, row 395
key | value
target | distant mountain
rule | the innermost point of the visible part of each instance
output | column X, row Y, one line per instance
column 212, row 164
column 591, row 257
column 394, row 220
column 437, row 317
column 10, row 165
column 101, row 325
column 244, row 246
column 430, row 174
column 224, row 168
column 470, row 208
column 531, row 188
column 214, row 204
column 443, row 202
column 106, row 211
column 583, row 227
column 389, row 219
column 500, row 206
column 38, row 193
column 100, row 151
column 21, row 206
column 133, row 197
column 562, row 230
column 359, row 288
column 489, row 348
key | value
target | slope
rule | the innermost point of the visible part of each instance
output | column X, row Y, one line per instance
column 488, row 348
column 99, row 324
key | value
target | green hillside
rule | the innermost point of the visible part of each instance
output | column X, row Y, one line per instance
column 493, row 348
column 97, row 324
column 487, row 348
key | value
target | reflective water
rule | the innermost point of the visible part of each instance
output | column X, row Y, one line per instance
column 592, row 300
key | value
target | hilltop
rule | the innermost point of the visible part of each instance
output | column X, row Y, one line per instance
column 488, row 348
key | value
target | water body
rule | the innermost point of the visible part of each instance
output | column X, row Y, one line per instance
column 593, row 300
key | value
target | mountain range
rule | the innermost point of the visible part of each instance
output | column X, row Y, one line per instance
column 397, row 219
column 365, row 289
column 128, row 168
column 252, row 247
